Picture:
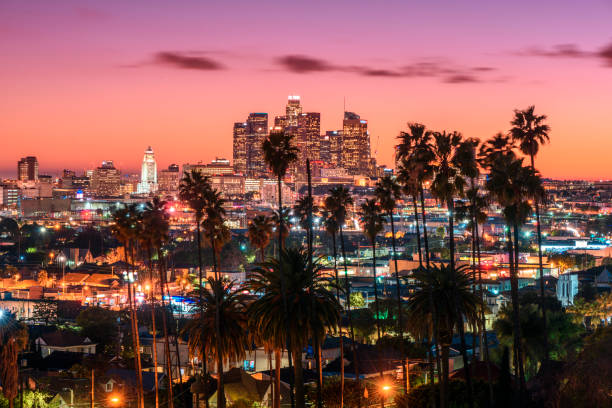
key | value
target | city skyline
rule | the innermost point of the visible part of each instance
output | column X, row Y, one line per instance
column 83, row 84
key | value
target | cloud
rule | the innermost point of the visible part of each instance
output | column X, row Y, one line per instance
column 604, row 54
column 302, row 64
column 445, row 71
column 192, row 60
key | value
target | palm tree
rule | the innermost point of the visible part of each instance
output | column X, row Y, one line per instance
column 313, row 308
column 279, row 152
column 126, row 228
column 448, row 182
column 337, row 203
column 530, row 131
column 388, row 191
column 13, row 340
column 407, row 177
column 373, row 223
column 259, row 233
column 512, row 185
column 303, row 209
column 452, row 289
column 225, row 303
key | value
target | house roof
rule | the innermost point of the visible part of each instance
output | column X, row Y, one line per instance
column 371, row 359
column 74, row 277
column 129, row 377
column 64, row 338
column 58, row 361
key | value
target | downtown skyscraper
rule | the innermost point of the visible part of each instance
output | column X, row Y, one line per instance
column 355, row 145
column 27, row 169
column 248, row 138
column 148, row 174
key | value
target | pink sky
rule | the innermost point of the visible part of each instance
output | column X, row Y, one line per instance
column 86, row 81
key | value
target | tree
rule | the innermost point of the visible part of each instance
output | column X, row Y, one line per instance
column 313, row 307
column 219, row 329
column 260, row 232
column 100, row 325
column 357, row 300
column 455, row 301
column 530, row 132
column 13, row 339
column 45, row 311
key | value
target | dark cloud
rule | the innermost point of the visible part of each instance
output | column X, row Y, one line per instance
column 302, row 64
column 557, row 51
column 569, row 51
column 606, row 54
column 187, row 61
column 444, row 70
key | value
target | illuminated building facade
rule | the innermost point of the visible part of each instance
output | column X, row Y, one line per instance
column 106, row 180
column 240, row 147
column 148, row 174
column 355, row 145
column 256, row 133
column 27, row 169
column 168, row 180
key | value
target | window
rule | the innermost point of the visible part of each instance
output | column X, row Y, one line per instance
column 108, row 387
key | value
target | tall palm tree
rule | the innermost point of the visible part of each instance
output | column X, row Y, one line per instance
column 388, row 191
column 126, row 228
column 373, row 223
column 223, row 302
column 279, row 153
column 303, row 209
column 448, row 183
column 331, row 227
column 13, row 340
column 512, row 185
column 530, row 132
column 452, row 289
column 313, row 308
column 259, row 233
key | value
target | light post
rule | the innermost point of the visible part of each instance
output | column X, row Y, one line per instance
column 62, row 259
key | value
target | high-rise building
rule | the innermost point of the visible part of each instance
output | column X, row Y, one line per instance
column 240, row 147
column 216, row 167
column 293, row 110
column 148, row 173
column 106, row 180
column 308, row 137
column 355, row 151
column 168, row 180
column 27, row 169
column 256, row 133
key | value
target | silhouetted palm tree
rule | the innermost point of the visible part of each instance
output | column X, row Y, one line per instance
column 313, row 308
column 407, row 176
column 388, row 191
column 126, row 228
column 259, row 233
column 512, row 185
column 303, row 210
column 455, row 301
column 225, row 342
column 448, row 183
column 530, row 132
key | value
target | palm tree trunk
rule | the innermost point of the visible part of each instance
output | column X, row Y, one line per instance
column 319, row 364
column 155, row 353
column 166, row 334
column 300, row 401
column 432, row 305
column 310, row 232
column 280, row 250
column 485, row 341
column 519, row 350
column 542, row 296
column 201, row 288
column 400, row 321
column 220, row 388
column 377, row 309
column 136, row 337
column 277, row 377
column 271, row 382
column 417, row 230
column 335, row 253
column 460, row 323
column 347, row 284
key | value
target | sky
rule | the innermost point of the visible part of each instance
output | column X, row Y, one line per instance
column 85, row 81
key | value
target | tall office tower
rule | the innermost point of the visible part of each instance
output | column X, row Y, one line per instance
column 335, row 147
column 293, row 110
column 148, row 173
column 168, row 180
column 325, row 148
column 256, row 133
column 106, row 180
column 308, row 137
column 240, row 147
column 355, row 144
column 27, row 169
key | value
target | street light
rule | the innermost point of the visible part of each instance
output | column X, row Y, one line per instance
column 62, row 259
